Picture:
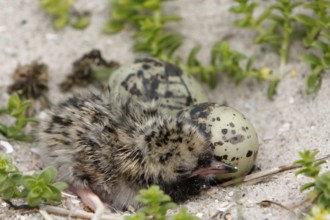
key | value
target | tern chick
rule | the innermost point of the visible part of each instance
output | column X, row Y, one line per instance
column 107, row 149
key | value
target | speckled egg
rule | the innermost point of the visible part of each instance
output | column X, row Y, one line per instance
column 232, row 136
column 153, row 79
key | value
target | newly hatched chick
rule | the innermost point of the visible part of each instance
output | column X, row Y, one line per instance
column 115, row 147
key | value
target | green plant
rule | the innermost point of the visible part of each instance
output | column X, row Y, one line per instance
column 40, row 187
column 278, row 26
column 153, row 38
column 156, row 204
column 317, row 36
column 230, row 62
column 34, row 188
column 17, row 109
column 318, row 213
column 60, row 11
column 10, row 178
column 320, row 193
column 149, row 23
column 319, row 64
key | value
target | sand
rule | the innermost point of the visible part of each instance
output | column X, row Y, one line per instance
column 291, row 123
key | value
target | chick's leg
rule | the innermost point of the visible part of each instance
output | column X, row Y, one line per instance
column 91, row 200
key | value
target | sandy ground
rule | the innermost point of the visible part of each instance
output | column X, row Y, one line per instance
column 291, row 123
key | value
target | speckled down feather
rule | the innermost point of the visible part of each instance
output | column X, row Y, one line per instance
column 117, row 146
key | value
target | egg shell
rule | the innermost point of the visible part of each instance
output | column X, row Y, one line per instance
column 153, row 79
column 231, row 135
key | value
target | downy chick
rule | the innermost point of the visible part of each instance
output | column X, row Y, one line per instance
column 111, row 148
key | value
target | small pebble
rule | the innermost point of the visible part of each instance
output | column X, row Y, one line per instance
column 199, row 215
column 52, row 37
column 7, row 146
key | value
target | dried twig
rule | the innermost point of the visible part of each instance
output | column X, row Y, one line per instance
column 260, row 176
column 45, row 215
column 79, row 213
column 267, row 203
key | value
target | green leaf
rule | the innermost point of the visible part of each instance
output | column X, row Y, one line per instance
column 326, row 62
column 325, row 33
column 311, row 59
column 321, row 46
column 16, row 178
column 213, row 80
column 152, row 4
column 48, row 174
column 34, row 201
column 307, row 186
column 113, row 26
column 8, row 193
column 175, row 45
column 192, row 58
column 60, row 185
column 305, row 19
column 81, row 23
column 313, row 83
column 272, row 89
column 61, row 21
column 323, row 187
column 184, row 215
column 3, row 177
column 236, row 9
column 268, row 37
column 49, row 192
column 170, row 18
column 36, row 192
column 249, row 63
column 14, row 102
column 28, row 182
column 263, row 16
column 277, row 19
column 137, row 216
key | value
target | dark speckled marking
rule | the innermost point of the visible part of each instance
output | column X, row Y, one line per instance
column 61, row 121
column 172, row 70
column 231, row 124
column 221, row 158
column 140, row 74
column 218, row 158
column 218, row 143
column 236, row 139
column 134, row 90
column 165, row 157
column 224, row 131
column 149, row 60
column 73, row 101
column 189, row 101
column 154, row 84
column 200, row 111
column 145, row 66
column 168, row 94
column 249, row 153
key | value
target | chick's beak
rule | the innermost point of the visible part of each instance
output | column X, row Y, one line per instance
column 216, row 167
